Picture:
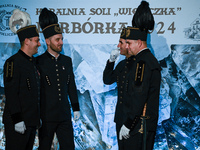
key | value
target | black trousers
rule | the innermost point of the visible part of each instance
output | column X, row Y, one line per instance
column 17, row 141
column 64, row 133
column 135, row 141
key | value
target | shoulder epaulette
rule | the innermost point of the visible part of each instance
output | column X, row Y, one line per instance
column 9, row 70
column 139, row 73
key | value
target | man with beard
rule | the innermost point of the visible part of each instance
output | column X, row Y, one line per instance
column 140, row 107
column 57, row 83
column 111, row 75
column 21, row 115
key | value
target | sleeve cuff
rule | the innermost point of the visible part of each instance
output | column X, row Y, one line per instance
column 75, row 107
column 16, row 118
column 130, row 123
column 110, row 64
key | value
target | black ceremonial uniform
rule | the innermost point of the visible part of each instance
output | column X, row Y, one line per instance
column 109, row 75
column 57, row 84
column 118, row 75
column 142, row 86
column 22, row 91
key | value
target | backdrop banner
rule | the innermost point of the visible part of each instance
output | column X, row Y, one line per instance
column 91, row 30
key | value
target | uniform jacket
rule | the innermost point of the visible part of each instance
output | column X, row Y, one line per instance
column 57, row 84
column 111, row 75
column 119, row 74
column 141, row 79
column 22, row 90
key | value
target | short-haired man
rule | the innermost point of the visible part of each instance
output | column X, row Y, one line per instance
column 111, row 75
column 138, row 116
column 143, row 88
column 21, row 115
column 57, row 84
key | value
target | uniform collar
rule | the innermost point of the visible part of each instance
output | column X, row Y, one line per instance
column 141, row 53
column 131, row 58
column 26, row 56
column 135, row 57
column 51, row 56
column 142, row 50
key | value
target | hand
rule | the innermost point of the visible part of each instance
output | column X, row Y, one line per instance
column 124, row 132
column 76, row 115
column 113, row 55
column 20, row 127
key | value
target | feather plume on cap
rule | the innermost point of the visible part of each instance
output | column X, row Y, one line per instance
column 47, row 18
column 19, row 19
column 48, row 21
column 20, row 23
column 143, row 18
